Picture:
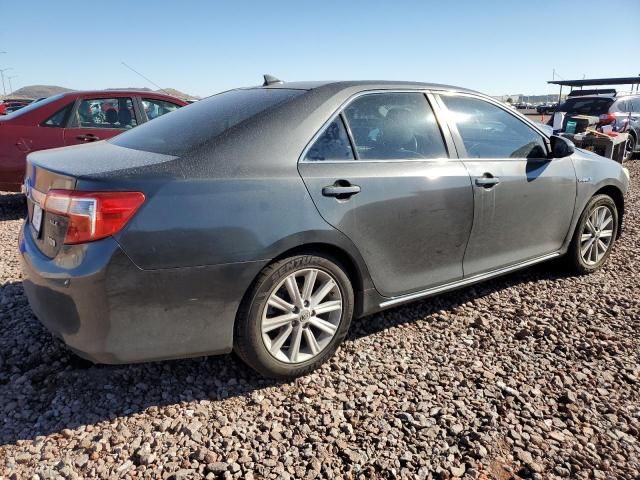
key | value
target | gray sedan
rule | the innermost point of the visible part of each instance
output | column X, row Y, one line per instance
column 262, row 220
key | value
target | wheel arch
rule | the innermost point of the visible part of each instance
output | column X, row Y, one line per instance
column 355, row 268
column 618, row 198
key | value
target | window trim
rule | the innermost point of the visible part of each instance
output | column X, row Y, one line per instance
column 455, row 133
column 449, row 143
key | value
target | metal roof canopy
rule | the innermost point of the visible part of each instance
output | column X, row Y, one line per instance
column 597, row 81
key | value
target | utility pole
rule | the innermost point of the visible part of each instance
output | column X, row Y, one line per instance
column 4, row 89
column 2, row 75
column 11, row 86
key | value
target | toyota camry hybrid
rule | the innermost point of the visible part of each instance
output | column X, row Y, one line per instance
column 262, row 220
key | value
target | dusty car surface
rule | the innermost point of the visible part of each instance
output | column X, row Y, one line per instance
column 72, row 118
column 262, row 220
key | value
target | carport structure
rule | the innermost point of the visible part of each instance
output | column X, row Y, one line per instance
column 596, row 82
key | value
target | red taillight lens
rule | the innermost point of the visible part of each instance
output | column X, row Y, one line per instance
column 93, row 215
column 607, row 118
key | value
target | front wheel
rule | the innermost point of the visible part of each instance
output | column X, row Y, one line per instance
column 630, row 147
column 295, row 316
column 594, row 236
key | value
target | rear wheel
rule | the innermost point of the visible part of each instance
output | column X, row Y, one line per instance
column 295, row 316
column 594, row 236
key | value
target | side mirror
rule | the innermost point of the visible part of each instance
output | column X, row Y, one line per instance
column 561, row 147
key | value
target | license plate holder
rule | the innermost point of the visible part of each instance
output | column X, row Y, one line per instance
column 36, row 218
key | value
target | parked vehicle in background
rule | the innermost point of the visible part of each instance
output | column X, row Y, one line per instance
column 16, row 104
column 263, row 219
column 546, row 108
column 71, row 118
column 3, row 108
column 622, row 112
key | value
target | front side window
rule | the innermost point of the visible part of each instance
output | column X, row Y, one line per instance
column 156, row 108
column 58, row 119
column 635, row 105
column 332, row 144
column 106, row 113
column 488, row 131
column 394, row 126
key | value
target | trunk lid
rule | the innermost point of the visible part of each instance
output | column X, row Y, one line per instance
column 101, row 165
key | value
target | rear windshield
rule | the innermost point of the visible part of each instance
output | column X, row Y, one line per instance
column 586, row 106
column 189, row 127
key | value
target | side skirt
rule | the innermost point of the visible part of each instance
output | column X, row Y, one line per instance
column 466, row 281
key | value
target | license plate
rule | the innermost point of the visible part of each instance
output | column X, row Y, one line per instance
column 36, row 219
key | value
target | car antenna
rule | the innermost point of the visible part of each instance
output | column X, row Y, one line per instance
column 147, row 79
column 271, row 80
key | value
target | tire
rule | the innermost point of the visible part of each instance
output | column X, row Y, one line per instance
column 580, row 257
column 265, row 316
column 630, row 148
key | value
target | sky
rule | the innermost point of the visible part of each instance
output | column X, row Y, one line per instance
column 204, row 47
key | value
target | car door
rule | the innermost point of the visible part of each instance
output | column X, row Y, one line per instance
column 99, row 118
column 380, row 173
column 523, row 200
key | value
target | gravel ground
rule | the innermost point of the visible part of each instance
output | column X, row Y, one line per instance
column 534, row 375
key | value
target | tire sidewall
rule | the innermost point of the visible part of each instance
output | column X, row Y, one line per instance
column 595, row 202
column 255, row 352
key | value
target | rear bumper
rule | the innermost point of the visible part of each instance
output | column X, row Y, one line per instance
column 108, row 310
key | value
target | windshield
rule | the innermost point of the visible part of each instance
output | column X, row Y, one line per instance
column 35, row 105
column 189, row 127
column 586, row 106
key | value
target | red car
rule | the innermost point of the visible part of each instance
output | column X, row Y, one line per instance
column 72, row 118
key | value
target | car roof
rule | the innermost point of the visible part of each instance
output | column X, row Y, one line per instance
column 367, row 85
column 119, row 92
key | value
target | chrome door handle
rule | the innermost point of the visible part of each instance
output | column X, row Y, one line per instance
column 340, row 191
column 487, row 182
column 89, row 137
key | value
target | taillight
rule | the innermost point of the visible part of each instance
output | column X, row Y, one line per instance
column 607, row 118
column 93, row 215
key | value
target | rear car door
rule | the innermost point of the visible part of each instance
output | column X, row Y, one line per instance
column 380, row 172
column 524, row 201
column 100, row 118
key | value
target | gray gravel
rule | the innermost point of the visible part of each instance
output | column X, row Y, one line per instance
column 534, row 375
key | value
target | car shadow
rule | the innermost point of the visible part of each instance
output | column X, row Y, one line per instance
column 45, row 388
column 13, row 206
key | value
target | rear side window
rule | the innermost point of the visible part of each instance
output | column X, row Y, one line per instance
column 59, row 118
column 621, row 106
column 586, row 106
column 394, row 126
column 333, row 144
column 192, row 126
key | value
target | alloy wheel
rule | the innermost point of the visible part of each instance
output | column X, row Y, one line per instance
column 597, row 235
column 629, row 147
column 302, row 315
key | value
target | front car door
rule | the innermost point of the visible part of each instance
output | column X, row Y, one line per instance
column 100, row 118
column 380, row 173
column 524, row 201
